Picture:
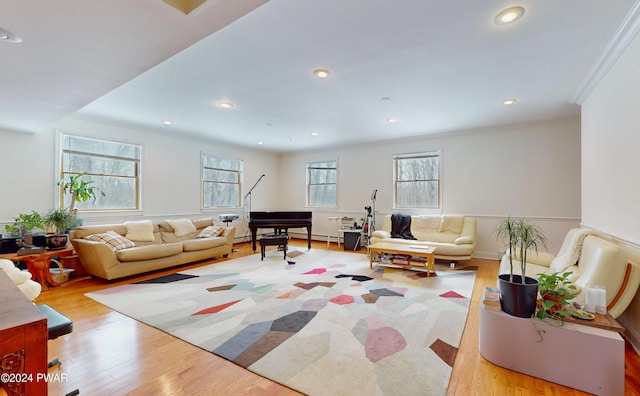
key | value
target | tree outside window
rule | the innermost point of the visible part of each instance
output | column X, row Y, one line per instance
column 221, row 182
column 417, row 180
column 113, row 167
column 322, row 183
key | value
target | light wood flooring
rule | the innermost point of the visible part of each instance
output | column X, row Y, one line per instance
column 111, row 354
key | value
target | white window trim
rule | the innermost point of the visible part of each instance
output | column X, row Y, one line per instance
column 306, row 171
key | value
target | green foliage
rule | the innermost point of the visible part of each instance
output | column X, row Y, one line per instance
column 522, row 237
column 560, row 288
column 59, row 220
column 26, row 222
column 505, row 231
column 530, row 238
column 79, row 189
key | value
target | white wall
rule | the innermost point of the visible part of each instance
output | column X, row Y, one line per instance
column 170, row 173
column 530, row 170
column 611, row 171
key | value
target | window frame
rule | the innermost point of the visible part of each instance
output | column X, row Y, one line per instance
column 308, row 168
column 240, row 179
column 422, row 154
column 62, row 174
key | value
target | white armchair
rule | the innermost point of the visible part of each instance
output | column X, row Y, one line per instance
column 594, row 260
column 22, row 279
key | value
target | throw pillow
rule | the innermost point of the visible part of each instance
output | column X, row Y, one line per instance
column 211, row 231
column 182, row 227
column 428, row 222
column 452, row 223
column 139, row 230
column 112, row 239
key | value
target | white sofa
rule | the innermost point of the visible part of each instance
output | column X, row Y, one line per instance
column 594, row 260
column 453, row 236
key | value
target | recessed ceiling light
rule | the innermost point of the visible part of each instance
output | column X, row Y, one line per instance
column 8, row 37
column 509, row 102
column 226, row 105
column 314, row 134
column 167, row 122
column 260, row 142
column 509, row 15
column 321, row 73
column 392, row 120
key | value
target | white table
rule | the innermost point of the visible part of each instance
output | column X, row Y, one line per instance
column 582, row 357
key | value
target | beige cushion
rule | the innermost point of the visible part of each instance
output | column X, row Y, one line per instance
column 452, row 224
column 428, row 222
column 202, row 244
column 202, row 223
column 139, row 230
column 211, row 231
column 182, row 227
column 112, row 239
column 149, row 252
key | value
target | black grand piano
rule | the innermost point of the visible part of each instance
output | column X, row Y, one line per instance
column 279, row 221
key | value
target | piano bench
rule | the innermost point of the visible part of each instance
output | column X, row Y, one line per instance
column 273, row 240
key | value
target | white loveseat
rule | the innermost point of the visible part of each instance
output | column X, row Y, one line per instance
column 594, row 260
column 453, row 236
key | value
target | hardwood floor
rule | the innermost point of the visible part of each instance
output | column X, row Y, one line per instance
column 110, row 354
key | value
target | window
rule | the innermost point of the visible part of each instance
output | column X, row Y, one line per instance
column 417, row 180
column 322, row 183
column 221, row 182
column 113, row 167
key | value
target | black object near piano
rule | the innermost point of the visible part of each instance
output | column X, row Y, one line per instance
column 279, row 221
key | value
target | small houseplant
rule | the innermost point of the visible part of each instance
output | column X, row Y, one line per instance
column 57, row 221
column 518, row 293
column 555, row 290
column 26, row 222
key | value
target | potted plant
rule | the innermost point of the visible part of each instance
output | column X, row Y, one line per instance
column 79, row 190
column 555, row 290
column 26, row 222
column 57, row 221
column 518, row 293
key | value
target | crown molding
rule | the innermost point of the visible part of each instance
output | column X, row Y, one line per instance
column 618, row 44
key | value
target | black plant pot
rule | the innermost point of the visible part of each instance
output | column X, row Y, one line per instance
column 56, row 241
column 517, row 299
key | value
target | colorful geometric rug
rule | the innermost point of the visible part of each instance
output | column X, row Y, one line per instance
column 322, row 323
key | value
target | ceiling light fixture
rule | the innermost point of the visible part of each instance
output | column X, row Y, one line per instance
column 260, row 142
column 314, row 134
column 8, row 37
column 167, row 122
column 226, row 105
column 321, row 73
column 509, row 102
column 392, row 120
column 508, row 15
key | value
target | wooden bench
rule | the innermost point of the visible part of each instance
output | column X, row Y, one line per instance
column 273, row 240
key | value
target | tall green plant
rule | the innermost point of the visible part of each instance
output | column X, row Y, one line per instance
column 522, row 237
column 505, row 230
column 80, row 190
column 529, row 238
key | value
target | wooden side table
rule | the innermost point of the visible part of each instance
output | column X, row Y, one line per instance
column 23, row 350
column 38, row 264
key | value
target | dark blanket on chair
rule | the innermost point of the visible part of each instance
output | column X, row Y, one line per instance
column 401, row 226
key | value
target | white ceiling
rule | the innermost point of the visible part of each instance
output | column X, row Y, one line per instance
column 444, row 65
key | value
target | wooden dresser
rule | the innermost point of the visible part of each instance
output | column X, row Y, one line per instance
column 23, row 342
